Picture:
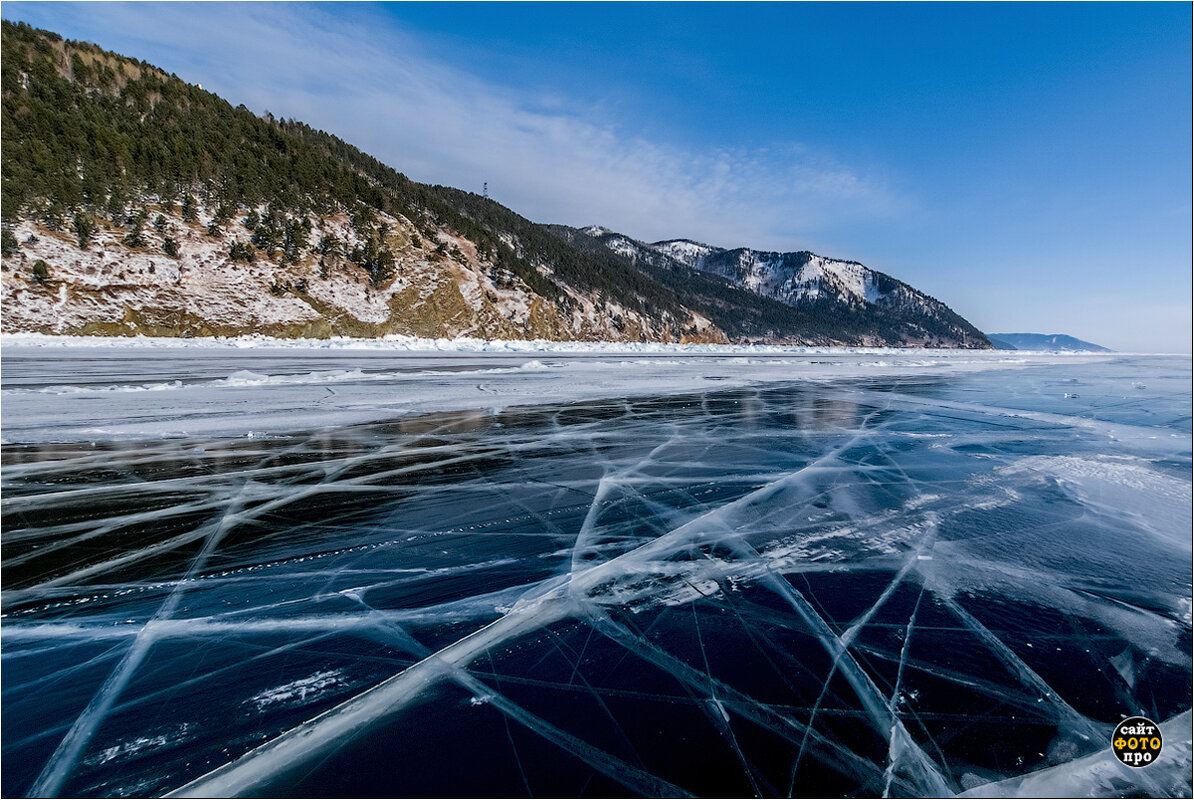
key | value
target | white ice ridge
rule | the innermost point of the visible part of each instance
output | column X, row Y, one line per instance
column 402, row 343
column 256, row 387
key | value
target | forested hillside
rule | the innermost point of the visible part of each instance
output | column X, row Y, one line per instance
column 133, row 202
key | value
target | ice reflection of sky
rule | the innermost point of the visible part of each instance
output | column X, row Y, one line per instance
column 893, row 586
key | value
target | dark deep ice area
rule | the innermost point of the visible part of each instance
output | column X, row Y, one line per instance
column 916, row 582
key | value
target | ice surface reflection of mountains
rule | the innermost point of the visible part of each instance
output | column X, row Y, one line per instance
column 849, row 589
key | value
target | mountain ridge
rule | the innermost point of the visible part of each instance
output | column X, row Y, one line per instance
column 1057, row 342
column 805, row 281
column 136, row 203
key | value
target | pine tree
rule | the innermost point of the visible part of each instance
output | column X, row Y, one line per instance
column 136, row 237
column 241, row 251
column 84, row 229
column 189, row 208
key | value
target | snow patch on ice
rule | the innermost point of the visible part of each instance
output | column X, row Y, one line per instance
column 131, row 747
column 299, row 691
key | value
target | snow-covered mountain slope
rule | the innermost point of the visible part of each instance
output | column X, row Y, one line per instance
column 806, row 280
column 685, row 251
column 793, row 277
column 442, row 287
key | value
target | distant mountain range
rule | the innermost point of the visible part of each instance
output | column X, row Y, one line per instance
column 135, row 203
column 1049, row 342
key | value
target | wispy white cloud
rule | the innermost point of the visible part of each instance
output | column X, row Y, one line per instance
column 391, row 95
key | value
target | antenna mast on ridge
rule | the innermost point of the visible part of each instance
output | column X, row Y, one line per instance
column 485, row 190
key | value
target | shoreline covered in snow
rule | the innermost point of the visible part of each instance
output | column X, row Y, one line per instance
column 415, row 344
column 71, row 389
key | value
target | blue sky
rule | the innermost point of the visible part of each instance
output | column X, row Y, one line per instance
column 1027, row 163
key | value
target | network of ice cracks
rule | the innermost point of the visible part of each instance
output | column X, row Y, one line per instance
column 895, row 588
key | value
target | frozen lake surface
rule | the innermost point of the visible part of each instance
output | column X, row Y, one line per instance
column 340, row 571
